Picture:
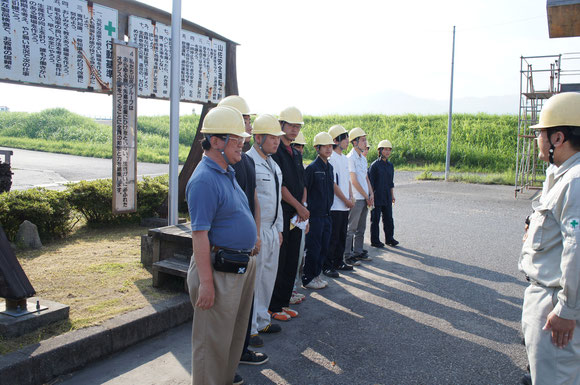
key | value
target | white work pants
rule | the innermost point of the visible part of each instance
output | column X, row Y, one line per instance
column 549, row 365
column 266, row 269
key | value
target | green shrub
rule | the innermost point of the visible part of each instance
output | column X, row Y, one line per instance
column 151, row 194
column 48, row 210
column 94, row 200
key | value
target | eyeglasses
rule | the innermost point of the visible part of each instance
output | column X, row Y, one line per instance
column 538, row 132
column 233, row 138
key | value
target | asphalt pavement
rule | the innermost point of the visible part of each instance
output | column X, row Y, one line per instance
column 53, row 171
column 442, row 308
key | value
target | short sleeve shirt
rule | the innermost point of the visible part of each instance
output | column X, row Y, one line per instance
column 339, row 163
column 357, row 163
column 217, row 204
column 318, row 179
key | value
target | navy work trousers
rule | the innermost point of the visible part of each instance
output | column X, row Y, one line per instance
column 287, row 266
column 388, row 224
column 337, row 240
column 317, row 242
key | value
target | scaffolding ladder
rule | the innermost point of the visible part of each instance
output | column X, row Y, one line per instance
column 534, row 70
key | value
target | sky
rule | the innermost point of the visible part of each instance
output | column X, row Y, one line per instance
column 355, row 57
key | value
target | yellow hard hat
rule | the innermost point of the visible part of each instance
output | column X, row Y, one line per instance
column 237, row 102
column 384, row 144
column 336, row 130
column 322, row 139
column 299, row 139
column 355, row 133
column 560, row 110
column 291, row 115
column 224, row 120
column 267, row 124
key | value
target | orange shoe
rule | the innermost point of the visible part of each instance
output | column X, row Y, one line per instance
column 280, row 315
column 290, row 312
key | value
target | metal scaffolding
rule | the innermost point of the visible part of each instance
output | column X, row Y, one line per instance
column 540, row 78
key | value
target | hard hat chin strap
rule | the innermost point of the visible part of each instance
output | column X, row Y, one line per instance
column 223, row 151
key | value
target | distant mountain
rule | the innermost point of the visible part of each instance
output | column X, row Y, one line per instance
column 396, row 103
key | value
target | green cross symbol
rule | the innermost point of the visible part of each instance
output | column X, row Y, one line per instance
column 109, row 28
column 574, row 223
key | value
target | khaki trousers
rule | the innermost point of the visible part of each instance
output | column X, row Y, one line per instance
column 549, row 365
column 218, row 333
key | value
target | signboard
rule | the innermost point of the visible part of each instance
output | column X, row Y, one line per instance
column 203, row 62
column 62, row 43
column 124, row 127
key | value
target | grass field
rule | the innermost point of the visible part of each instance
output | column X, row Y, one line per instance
column 96, row 271
column 480, row 142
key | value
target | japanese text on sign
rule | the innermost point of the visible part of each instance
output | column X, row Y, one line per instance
column 64, row 43
column 203, row 62
column 124, row 128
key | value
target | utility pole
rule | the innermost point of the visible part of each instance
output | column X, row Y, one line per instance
column 450, row 119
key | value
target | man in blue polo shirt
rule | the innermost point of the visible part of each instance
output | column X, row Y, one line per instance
column 221, row 220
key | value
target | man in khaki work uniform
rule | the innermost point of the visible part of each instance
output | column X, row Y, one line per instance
column 550, row 255
column 221, row 274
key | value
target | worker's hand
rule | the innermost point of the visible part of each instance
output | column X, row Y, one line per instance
column 393, row 199
column 562, row 329
column 349, row 203
column 370, row 201
column 206, row 296
column 303, row 213
column 257, row 245
column 281, row 238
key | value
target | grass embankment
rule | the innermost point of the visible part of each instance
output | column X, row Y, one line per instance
column 480, row 142
column 97, row 272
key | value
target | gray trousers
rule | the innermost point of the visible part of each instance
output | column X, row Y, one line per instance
column 357, row 223
column 549, row 365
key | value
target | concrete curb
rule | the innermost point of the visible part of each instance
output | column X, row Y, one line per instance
column 39, row 363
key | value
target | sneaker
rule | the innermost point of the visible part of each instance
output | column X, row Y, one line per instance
column 315, row 284
column 256, row 341
column 363, row 257
column 295, row 300
column 345, row 267
column 238, row 380
column 393, row 242
column 271, row 328
column 331, row 273
column 299, row 295
column 352, row 261
column 279, row 315
column 253, row 358
column 378, row 245
column 290, row 312
column 322, row 281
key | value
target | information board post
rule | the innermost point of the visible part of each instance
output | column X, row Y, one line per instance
column 124, row 127
column 175, row 95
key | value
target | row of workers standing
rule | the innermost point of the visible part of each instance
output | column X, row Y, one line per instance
column 255, row 213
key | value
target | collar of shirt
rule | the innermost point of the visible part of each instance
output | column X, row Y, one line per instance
column 566, row 165
column 255, row 155
column 320, row 163
column 288, row 149
column 213, row 165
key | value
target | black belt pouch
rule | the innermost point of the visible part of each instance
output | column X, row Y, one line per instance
column 228, row 261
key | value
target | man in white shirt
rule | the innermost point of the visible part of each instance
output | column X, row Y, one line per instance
column 363, row 195
column 343, row 202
